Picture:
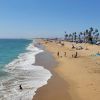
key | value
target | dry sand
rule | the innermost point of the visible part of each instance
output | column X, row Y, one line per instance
column 82, row 74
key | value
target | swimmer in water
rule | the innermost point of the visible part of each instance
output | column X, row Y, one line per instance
column 20, row 87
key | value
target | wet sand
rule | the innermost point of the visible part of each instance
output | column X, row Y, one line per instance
column 57, row 88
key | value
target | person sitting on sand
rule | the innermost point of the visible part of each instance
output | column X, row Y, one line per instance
column 20, row 87
column 73, row 46
column 79, row 48
column 62, row 44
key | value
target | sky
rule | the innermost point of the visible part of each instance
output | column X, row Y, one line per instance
column 47, row 18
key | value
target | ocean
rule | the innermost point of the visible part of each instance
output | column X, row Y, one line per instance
column 17, row 67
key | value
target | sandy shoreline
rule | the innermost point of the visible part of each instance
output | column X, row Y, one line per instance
column 79, row 76
column 51, row 90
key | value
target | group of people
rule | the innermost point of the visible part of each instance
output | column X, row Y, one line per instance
column 58, row 54
column 65, row 54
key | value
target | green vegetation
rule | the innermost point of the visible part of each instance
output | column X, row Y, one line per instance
column 90, row 35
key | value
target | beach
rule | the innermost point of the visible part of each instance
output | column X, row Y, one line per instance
column 49, row 50
column 51, row 90
column 73, row 78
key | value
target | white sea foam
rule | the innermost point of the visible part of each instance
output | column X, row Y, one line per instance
column 23, row 71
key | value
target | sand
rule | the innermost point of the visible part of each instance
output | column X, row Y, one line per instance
column 78, row 77
column 56, row 83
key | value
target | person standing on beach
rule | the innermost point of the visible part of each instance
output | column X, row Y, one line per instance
column 58, row 53
column 76, row 54
column 65, row 54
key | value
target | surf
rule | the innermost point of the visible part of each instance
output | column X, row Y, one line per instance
column 24, row 71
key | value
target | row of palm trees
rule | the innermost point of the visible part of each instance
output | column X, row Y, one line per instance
column 89, row 35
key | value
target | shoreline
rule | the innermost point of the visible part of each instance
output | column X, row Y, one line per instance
column 50, row 91
column 80, row 75
column 24, row 72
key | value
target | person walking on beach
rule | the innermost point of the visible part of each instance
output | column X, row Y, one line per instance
column 76, row 55
column 58, row 53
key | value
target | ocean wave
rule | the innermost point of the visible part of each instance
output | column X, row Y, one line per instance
column 23, row 71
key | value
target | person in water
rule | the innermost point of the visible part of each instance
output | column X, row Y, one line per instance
column 20, row 87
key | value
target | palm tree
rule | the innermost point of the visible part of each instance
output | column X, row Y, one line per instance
column 87, row 31
column 70, row 37
column 80, row 34
column 96, row 30
column 74, row 36
column 79, row 37
column 84, row 33
column 96, row 34
column 89, row 35
column 91, row 29
column 66, row 36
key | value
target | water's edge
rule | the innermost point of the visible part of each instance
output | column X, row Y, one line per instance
column 24, row 71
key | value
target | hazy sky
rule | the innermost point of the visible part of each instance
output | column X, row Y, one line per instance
column 47, row 18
